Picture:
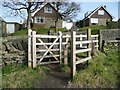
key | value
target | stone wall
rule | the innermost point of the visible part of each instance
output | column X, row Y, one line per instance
column 14, row 49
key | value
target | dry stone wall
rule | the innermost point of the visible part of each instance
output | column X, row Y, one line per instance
column 14, row 49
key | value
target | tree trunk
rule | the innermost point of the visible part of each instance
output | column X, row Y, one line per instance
column 29, row 16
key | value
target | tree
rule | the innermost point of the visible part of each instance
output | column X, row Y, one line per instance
column 18, row 7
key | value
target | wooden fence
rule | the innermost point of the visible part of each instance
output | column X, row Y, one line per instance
column 90, row 39
column 40, row 48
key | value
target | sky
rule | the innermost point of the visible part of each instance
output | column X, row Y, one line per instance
column 85, row 6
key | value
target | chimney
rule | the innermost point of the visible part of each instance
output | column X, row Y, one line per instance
column 105, row 6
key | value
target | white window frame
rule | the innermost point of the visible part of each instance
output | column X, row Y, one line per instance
column 94, row 20
column 101, row 12
column 47, row 9
column 37, row 20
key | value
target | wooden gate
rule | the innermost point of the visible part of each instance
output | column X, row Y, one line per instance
column 40, row 51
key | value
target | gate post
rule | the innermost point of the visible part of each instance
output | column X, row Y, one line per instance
column 89, row 44
column 60, row 46
column 66, row 51
column 73, row 54
column 29, row 48
column 34, row 49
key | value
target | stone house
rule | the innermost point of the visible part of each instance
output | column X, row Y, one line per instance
column 99, row 16
column 46, row 16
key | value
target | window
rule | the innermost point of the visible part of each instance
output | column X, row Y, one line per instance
column 100, row 12
column 47, row 9
column 94, row 20
column 40, row 20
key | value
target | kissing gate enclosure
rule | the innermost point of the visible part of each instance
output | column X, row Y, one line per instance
column 46, row 49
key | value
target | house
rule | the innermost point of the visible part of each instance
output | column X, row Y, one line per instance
column 99, row 16
column 2, row 27
column 46, row 17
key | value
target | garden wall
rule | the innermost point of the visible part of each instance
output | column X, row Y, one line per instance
column 14, row 49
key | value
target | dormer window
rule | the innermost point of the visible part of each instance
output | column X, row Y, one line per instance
column 100, row 12
column 47, row 9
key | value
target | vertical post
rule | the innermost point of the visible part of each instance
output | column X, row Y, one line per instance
column 100, row 40
column 60, row 46
column 34, row 49
column 97, row 43
column 66, row 51
column 80, row 40
column 73, row 55
column 29, row 48
column 89, row 44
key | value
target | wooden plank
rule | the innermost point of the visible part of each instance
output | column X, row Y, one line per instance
column 29, row 48
column 60, row 46
column 112, row 41
column 66, row 36
column 44, row 50
column 94, row 40
column 83, row 50
column 66, row 51
column 82, row 42
column 89, row 45
column 45, row 36
column 73, row 55
column 77, row 36
column 46, row 44
column 95, row 35
column 83, row 60
column 42, row 63
column 34, row 49
column 48, row 56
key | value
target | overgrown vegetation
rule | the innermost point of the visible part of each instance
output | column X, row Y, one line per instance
column 102, row 72
column 112, row 25
column 94, row 29
column 20, row 76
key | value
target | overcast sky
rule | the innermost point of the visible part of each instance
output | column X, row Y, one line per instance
column 85, row 5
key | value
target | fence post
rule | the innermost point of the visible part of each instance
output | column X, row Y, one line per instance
column 89, row 44
column 66, row 51
column 34, row 49
column 29, row 48
column 80, row 40
column 60, row 46
column 97, row 43
column 73, row 55
column 100, row 40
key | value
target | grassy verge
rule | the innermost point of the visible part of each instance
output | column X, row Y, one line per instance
column 94, row 28
column 102, row 72
column 19, row 76
column 39, row 31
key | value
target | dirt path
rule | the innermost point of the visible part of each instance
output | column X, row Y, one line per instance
column 54, row 79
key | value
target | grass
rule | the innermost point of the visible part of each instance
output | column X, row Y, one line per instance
column 102, row 72
column 19, row 76
column 94, row 28
column 39, row 31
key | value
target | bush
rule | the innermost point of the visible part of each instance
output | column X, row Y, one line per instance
column 112, row 25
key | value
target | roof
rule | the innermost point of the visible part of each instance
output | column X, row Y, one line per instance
column 89, row 15
column 42, row 6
